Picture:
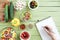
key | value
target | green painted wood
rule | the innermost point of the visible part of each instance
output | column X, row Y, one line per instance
column 49, row 3
column 49, row 0
column 46, row 8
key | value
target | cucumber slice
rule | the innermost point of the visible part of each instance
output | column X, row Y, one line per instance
column 11, row 7
column 6, row 13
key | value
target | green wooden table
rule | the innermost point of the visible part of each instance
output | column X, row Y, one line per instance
column 46, row 8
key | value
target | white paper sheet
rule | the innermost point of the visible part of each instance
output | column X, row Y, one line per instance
column 48, row 21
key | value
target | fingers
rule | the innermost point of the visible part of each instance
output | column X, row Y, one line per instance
column 46, row 30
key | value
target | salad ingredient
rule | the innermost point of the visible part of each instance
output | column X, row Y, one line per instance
column 11, row 9
column 30, row 26
column 6, row 13
column 22, row 26
column 33, row 4
column 8, row 34
column 26, row 16
column 3, row 5
column 2, row 17
column 20, row 5
column 25, row 35
column 15, row 22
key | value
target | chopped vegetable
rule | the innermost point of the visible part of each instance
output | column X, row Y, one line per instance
column 20, row 5
column 33, row 4
column 11, row 11
column 15, row 22
column 27, row 16
column 8, row 34
column 25, row 35
column 6, row 13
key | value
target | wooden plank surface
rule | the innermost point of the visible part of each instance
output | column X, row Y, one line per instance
column 46, row 8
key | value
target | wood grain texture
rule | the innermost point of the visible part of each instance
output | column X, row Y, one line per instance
column 46, row 8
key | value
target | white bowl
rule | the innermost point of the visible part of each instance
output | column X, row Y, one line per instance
column 33, row 8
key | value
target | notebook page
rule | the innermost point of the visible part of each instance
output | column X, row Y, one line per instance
column 49, row 21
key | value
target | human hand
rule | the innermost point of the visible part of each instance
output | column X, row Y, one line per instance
column 50, row 32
